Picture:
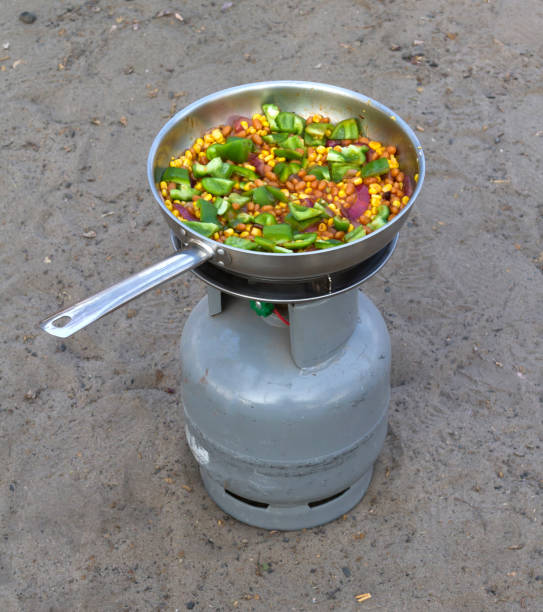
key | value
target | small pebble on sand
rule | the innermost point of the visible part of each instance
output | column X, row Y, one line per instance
column 27, row 17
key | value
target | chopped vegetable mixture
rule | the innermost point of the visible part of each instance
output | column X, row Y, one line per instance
column 280, row 183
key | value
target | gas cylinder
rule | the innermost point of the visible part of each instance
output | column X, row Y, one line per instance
column 286, row 421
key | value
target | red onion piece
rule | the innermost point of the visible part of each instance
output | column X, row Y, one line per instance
column 235, row 122
column 184, row 212
column 333, row 143
column 259, row 164
column 360, row 205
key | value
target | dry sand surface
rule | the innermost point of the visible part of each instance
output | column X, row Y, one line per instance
column 101, row 504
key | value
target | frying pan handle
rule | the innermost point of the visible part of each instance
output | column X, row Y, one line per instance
column 72, row 319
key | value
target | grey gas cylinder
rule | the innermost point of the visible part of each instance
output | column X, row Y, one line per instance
column 286, row 422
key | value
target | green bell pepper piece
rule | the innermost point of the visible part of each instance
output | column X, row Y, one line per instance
column 234, row 149
column 377, row 223
column 217, row 186
column 176, row 175
column 358, row 232
column 354, row 154
column 241, row 243
column 275, row 138
column 348, row 155
column 302, row 213
column 318, row 129
column 208, row 212
column 375, row 167
column 341, row 224
column 288, row 154
column 348, row 129
column 222, row 205
column 338, row 171
column 280, row 249
column 277, row 193
column 327, row 244
column 242, row 217
column 280, row 232
column 320, row 172
column 289, row 122
column 264, row 243
column 282, row 171
column 238, row 198
column 183, row 193
column 271, row 111
column 265, row 218
column 322, row 205
column 206, row 229
column 300, row 241
column 245, row 172
column 211, row 168
column 316, row 133
column 299, row 226
column 263, row 196
column 383, row 211
column 293, row 142
column 266, row 194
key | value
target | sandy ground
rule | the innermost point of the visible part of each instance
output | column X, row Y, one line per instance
column 101, row 504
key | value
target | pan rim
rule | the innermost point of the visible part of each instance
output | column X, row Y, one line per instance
column 293, row 84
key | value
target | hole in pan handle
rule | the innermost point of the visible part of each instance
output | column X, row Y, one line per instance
column 72, row 319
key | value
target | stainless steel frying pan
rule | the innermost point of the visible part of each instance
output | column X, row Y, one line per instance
column 178, row 134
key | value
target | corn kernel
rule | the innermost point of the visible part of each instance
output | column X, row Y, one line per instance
column 198, row 185
column 244, row 125
column 177, row 213
column 188, row 154
column 251, row 130
column 164, row 192
column 330, row 222
column 216, row 235
column 163, row 185
column 265, row 122
column 357, row 181
column 228, row 232
column 322, row 227
column 387, row 188
column 244, row 234
column 216, row 133
column 308, row 190
column 207, row 197
column 341, row 193
column 393, row 162
column 256, row 231
column 200, row 141
column 416, row 177
column 168, row 205
column 280, row 159
column 321, row 149
column 405, row 199
column 271, row 163
column 351, row 227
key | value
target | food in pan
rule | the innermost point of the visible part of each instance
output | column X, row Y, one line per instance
column 280, row 183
